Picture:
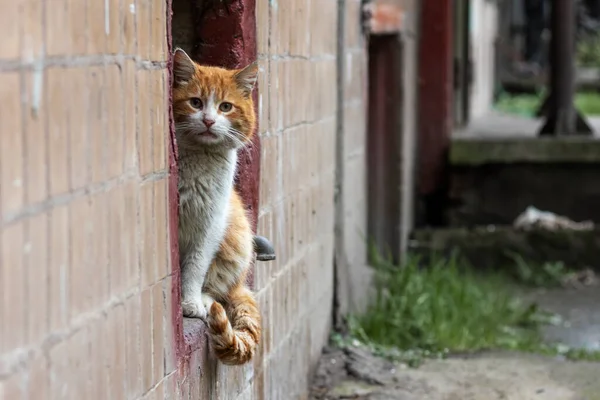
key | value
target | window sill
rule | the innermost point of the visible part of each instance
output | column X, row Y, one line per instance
column 194, row 335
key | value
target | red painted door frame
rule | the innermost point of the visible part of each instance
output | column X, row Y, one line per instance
column 230, row 29
column 435, row 103
column 383, row 147
column 228, row 34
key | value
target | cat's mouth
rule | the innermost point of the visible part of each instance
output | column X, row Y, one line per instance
column 207, row 135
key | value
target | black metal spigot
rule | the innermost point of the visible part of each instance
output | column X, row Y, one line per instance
column 264, row 249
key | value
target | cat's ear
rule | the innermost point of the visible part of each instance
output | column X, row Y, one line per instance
column 246, row 78
column 183, row 67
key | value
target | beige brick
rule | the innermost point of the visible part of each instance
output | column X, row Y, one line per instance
column 78, row 24
column 79, row 370
column 263, row 96
column 98, row 358
column 353, row 31
column 161, row 225
column 36, row 276
column 38, row 382
column 36, row 158
column 57, row 123
column 128, row 27
column 13, row 280
column 117, row 241
column 276, row 88
column 80, row 230
column 32, row 42
column 9, row 29
column 144, row 121
column 97, row 123
column 170, row 340
column 262, row 26
column 170, row 388
column 158, row 315
column 60, row 376
column 143, row 27
column 79, row 111
column 232, row 381
column 159, row 391
column 129, row 111
column 299, row 43
column 58, row 29
column 269, row 179
column 265, row 302
column 146, row 340
column 284, row 92
column 113, row 36
column 158, row 31
column 96, row 27
column 160, row 130
column 60, row 287
column 324, row 27
column 130, row 235
column 115, row 352
column 115, row 141
column 278, row 27
column 132, row 344
column 98, row 272
column 147, row 235
column 11, row 146
column 13, row 388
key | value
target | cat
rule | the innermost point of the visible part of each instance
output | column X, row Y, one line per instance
column 214, row 118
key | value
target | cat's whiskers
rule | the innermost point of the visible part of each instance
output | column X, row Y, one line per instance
column 233, row 138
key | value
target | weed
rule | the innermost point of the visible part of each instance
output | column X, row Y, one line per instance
column 422, row 312
column 549, row 274
column 526, row 105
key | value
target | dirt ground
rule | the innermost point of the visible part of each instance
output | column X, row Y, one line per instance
column 356, row 374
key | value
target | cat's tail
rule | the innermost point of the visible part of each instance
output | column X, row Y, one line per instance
column 236, row 338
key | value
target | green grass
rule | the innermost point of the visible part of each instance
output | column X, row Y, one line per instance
column 430, row 312
column 526, row 105
column 547, row 275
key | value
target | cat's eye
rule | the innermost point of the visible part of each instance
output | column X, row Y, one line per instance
column 225, row 107
column 196, row 102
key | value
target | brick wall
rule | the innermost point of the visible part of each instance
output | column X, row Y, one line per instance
column 87, row 308
column 297, row 54
column 84, row 273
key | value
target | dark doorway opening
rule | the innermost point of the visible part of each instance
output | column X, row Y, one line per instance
column 384, row 144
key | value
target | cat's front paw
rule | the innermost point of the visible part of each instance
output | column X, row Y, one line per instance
column 193, row 309
column 207, row 301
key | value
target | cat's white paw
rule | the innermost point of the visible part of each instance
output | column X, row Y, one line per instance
column 207, row 301
column 194, row 309
column 197, row 308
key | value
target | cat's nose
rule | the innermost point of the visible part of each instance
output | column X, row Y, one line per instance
column 208, row 122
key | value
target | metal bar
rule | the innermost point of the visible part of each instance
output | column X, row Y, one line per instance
column 561, row 116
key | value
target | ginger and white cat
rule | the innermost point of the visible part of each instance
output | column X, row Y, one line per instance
column 214, row 117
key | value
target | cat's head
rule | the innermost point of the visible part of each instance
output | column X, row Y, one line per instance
column 212, row 106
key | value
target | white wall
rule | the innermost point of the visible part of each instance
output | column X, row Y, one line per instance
column 483, row 29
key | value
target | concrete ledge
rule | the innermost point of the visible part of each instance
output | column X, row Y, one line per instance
column 490, row 248
column 471, row 151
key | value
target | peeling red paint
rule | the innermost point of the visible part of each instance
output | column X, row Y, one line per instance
column 227, row 34
column 176, row 313
column 381, row 19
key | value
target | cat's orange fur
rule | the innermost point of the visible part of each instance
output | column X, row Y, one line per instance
column 233, row 318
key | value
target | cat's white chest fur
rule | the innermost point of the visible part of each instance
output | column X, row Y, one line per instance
column 205, row 186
